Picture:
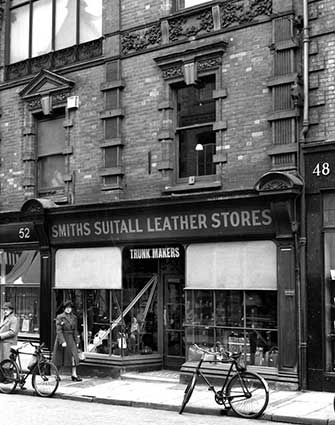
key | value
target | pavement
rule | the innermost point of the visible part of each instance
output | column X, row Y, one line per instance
column 162, row 390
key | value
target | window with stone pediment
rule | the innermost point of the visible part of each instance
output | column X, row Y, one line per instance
column 50, row 156
column 38, row 27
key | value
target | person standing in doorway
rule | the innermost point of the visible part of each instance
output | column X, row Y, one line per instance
column 9, row 328
column 65, row 352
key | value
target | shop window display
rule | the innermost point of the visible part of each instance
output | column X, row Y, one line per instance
column 116, row 322
column 243, row 321
column 20, row 279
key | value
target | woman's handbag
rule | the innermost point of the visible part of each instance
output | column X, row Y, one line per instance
column 81, row 355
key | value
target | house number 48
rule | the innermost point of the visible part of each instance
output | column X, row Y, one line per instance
column 322, row 169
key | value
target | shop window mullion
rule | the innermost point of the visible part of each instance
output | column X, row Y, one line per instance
column 30, row 47
column 85, row 324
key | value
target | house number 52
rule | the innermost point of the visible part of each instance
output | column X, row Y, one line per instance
column 24, row 233
column 322, row 169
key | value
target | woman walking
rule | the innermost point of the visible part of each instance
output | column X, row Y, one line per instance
column 65, row 351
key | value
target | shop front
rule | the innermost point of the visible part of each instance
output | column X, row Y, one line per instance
column 24, row 268
column 149, row 282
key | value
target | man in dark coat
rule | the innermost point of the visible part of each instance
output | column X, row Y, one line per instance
column 9, row 328
column 65, row 351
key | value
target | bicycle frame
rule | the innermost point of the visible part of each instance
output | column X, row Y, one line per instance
column 15, row 356
column 220, row 394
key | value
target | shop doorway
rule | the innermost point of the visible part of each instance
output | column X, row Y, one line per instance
column 173, row 321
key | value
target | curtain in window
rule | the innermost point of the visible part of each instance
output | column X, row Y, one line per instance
column 42, row 27
column 90, row 19
column 19, row 34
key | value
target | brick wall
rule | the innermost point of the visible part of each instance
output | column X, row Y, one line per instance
column 322, row 71
column 246, row 66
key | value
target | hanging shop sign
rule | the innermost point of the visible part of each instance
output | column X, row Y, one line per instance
column 17, row 233
column 167, row 225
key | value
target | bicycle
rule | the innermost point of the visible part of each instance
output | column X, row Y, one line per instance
column 246, row 393
column 44, row 374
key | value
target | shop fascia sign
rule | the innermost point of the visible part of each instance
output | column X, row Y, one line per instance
column 174, row 224
column 18, row 233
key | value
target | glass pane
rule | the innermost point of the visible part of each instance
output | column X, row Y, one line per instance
column 192, row 161
column 21, row 271
column 50, row 136
column 17, row 2
column 203, row 308
column 26, row 307
column 51, row 172
column 229, row 308
column 261, row 309
column 141, row 317
column 189, row 3
column 258, row 345
column 65, row 23
column 100, row 338
column 90, row 20
column 76, row 296
column 195, row 103
column 329, row 266
column 42, row 26
column 19, row 34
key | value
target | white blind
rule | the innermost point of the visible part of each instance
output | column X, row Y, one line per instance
column 88, row 268
column 232, row 265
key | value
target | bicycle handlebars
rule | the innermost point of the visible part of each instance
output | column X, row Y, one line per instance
column 221, row 352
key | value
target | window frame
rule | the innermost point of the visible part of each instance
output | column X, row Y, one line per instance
column 11, row 290
column 179, row 5
column 53, row 30
column 49, row 189
column 199, row 178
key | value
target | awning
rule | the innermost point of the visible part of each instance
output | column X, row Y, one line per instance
column 88, row 268
column 232, row 265
column 26, row 269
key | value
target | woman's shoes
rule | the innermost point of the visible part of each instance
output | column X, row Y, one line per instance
column 76, row 378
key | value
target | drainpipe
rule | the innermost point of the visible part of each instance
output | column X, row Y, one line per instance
column 302, row 298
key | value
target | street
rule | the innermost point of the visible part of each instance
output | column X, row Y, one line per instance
column 17, row 409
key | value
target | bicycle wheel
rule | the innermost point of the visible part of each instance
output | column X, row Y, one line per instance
column 45, row 379
column 188, row 392
column 248, row 394
column 9, row 376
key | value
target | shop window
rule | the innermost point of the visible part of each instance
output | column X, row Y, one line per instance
column 50, row 153
column 20, row 276
column 41, row 26
column 242, row 321
column 116, row 322
column 195, row 135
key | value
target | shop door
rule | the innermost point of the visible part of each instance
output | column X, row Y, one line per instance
column 174, row 313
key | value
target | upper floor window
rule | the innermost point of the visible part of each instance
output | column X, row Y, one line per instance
column 50, row 153
column 195, row 135
column 182, row 4
column 40, row 26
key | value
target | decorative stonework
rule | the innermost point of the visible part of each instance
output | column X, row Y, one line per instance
column 241, row 12
column 46, row 83
column 54, row 60
column 194, row 24
column 278, row 181
column 141, row 39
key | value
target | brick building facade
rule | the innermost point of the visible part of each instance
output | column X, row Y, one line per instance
column 151, row 170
